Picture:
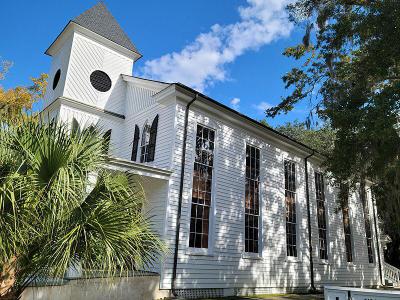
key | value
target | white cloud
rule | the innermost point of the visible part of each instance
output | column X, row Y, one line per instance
column 262, row 107
column 235, row 103
column 203, row 62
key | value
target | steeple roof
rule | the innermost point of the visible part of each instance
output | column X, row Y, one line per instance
column 99, row 20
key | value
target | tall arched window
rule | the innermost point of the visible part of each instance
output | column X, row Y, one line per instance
column 136, row 137
column 144, row 146
column 149, row 137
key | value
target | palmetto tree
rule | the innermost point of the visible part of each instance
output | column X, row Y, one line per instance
column 61, row 207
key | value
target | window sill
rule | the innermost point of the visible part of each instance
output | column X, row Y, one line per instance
column 199, row 252
column 255, row 256
column 371, row 265
column 351, row 264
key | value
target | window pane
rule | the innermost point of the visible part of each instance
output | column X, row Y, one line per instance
column 201, row 190
column 252, row 199
column 321, row 215
column 144, row 146
column 290, row 201
column 346, row 224
column 367, row 220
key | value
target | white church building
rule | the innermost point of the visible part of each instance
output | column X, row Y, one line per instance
column 241, row 207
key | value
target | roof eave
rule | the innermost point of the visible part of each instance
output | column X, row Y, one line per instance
column 283, row 137
column 71, row 24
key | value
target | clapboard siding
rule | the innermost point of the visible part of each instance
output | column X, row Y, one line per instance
column 59, row 61
column 224, row 266
column 87, row 56
column 149, row 108
column 85, row 119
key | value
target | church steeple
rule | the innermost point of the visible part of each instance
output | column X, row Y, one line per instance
column 99, row 20
column 88, row 58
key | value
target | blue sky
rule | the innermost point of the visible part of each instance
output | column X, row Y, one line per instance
column 229, row 49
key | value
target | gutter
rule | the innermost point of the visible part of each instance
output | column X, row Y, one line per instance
column 178, row 218
column 312, row 286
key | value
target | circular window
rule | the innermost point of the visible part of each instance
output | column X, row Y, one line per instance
column 56, row 79
column 100, row 81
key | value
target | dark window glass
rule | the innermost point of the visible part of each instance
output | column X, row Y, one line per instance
column 367, row 221
column 201, row 191
column 135, row 146
column 153, row 139
column 290, row 199
column 100, row 81
column 252, row 200
column 56, row 79
column 346, row 225
column 321, row 214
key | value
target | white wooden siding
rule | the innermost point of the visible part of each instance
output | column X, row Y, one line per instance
column 149, row 108
column 224, row 265
column 88, row 56
column 85, row 119
column 59, row 61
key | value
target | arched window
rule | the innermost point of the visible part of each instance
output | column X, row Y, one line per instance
column 148, row 144
column 144, row 145
column 136, row 137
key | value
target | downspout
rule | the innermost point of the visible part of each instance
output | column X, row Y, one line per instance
column 377, row 240
column 178, row 218
column 310, row 248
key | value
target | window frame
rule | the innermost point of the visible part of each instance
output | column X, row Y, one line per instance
column 350, row 215
column 297, row 211
column 212, row 208
column 370, row 216
column 259, row 253
column 326, row 209
column 260, row 206
column 144, row 154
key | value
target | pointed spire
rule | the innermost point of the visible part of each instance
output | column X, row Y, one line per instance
column 99, row 20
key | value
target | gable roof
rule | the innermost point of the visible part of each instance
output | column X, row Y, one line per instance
column 99, row 20
column 241, row 116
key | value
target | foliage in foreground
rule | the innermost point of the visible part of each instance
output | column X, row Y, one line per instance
column 348, row 69
column 59, row 207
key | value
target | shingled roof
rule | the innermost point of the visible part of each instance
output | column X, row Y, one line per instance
column 99, row 20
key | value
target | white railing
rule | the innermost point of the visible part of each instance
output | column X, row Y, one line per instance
column 345, row 293
column 392, row 274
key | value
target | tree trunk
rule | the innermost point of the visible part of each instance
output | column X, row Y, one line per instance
column 7, row 279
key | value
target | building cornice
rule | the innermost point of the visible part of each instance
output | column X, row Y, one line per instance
column 138, row 168
column 153, row 85
column 206, row 103
column 85, row 107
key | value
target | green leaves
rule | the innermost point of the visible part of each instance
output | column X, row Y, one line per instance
column 59, row 207
column 349, row 74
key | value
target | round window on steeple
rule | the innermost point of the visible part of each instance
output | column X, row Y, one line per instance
column 56, row 79
column 100, row 81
